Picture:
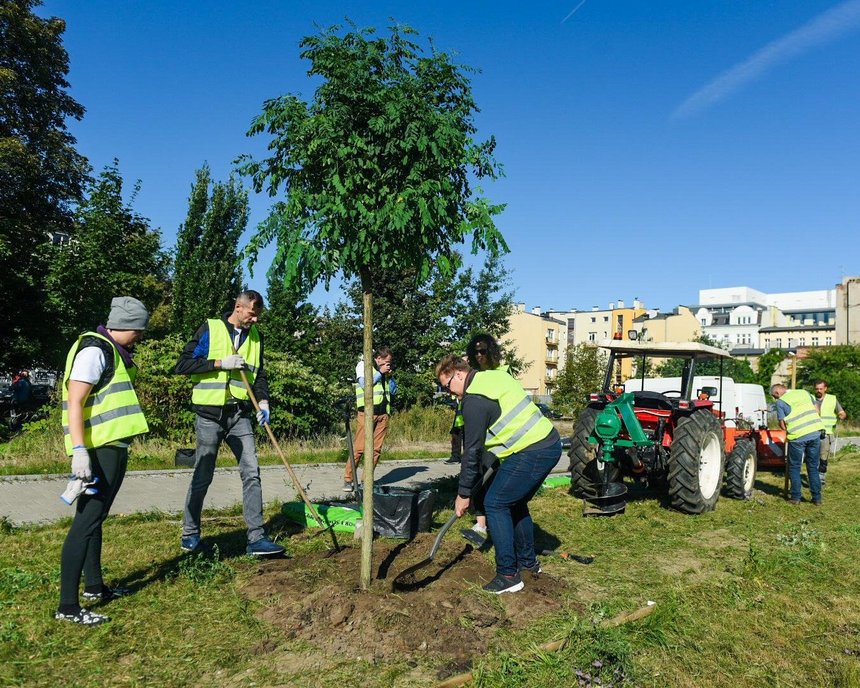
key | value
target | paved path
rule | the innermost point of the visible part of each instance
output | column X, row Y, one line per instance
column 36, row 499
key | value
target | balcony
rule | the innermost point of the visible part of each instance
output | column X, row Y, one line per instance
column 551, row 341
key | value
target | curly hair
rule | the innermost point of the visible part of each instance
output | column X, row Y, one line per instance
column 493, row 356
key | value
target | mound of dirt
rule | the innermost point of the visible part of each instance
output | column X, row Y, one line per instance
column 444, row 612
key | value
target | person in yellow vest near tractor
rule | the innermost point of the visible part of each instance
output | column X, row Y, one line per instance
column 830, row 411
column 798, row 416
column 384, row 387
column 483, row 353
column 101, row 414
column 501, row 419
column 221, row 348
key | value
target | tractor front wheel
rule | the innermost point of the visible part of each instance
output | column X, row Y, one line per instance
column 696, row 463
column 585, row 478
column 741, row 470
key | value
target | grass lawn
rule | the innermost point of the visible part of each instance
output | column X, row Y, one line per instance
column 757, row 593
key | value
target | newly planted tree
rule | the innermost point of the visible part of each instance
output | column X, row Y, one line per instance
column 376, row 172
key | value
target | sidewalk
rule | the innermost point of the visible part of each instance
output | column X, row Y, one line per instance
column 36, row 499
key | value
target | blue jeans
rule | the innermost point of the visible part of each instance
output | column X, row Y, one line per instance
column 236, row 430
column 507, row 506
column 797, row 450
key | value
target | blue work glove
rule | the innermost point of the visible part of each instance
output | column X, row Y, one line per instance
column 263, row 413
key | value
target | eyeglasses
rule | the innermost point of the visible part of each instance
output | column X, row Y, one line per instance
column 447, row 386
column 480, row 352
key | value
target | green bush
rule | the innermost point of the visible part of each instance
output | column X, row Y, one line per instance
column 164, row 396
column 420, row 424
column 302, row 402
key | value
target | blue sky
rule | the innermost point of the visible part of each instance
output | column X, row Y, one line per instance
column 651, row 149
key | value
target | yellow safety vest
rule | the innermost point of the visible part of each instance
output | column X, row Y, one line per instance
column 520, row 425
column 828, row 413
column 458, row 413
column 112, row 412
column 217, row 387
column 381, row 401
column 804, row 418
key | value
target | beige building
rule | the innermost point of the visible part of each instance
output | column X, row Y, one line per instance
column 678, row 326
column 599, row 325
column 541, row 341
column 848, row 311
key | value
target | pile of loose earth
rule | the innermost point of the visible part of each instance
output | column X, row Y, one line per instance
column 445, row 612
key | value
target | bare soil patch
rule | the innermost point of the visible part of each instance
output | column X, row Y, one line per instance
column 316, row 598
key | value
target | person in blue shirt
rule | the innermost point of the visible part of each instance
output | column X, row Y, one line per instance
column 797, row 415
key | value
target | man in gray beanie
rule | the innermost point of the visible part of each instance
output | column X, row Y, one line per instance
column 101, row 415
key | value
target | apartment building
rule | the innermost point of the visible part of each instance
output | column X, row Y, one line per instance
column 748, row 321
column 678, row 326
column 541, row 341
column 848, row 311
column 599, row 325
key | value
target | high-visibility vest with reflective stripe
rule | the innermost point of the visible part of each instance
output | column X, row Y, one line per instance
column 379, row 397
column 458, row 414
column 520, row 424
column 217, row 387
column 804, row 418
column 828, row 413
column 111, row 413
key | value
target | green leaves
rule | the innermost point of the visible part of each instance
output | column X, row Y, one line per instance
column 376, row 168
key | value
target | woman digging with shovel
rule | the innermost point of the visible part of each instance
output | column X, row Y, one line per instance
column 502, row 420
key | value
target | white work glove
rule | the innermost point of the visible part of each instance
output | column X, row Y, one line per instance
column 81, row 467
column 232, row 362
column 263, row 413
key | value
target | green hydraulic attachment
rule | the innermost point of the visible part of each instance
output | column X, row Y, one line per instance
column 608, row 426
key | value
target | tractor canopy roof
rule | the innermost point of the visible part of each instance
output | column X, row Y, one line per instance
column 665, row 349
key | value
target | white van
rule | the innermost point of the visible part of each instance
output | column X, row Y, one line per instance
column 735, row 399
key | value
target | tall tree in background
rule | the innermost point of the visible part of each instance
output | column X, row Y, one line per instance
column 839, row 366
column 290, row 322
column 377, row 170
column 113, row 252
column 41, row 173
column 582, row 374
column 207, row 273
column 483, row 303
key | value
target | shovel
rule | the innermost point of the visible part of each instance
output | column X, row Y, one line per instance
column 295, row 478
column 407, row 577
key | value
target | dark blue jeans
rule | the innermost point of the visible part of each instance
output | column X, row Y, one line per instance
column 798, row 450
column 507, row 506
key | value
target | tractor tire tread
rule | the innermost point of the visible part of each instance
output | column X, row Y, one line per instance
column 684, row 491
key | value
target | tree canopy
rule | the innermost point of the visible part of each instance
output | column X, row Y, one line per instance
column 839, row 367
column 207, row 273
column 41, row 173
column 113, row 252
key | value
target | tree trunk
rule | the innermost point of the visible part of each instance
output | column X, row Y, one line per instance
column 367, row 506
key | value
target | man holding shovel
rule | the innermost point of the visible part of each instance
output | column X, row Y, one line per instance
column 500, row 419
column 220, row 349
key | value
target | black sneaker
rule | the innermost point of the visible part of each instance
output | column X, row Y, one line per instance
column 348, row 486
column 501, row 584
column 107, row 594
column 84, row 617
column 534, row 570
column 452, row 459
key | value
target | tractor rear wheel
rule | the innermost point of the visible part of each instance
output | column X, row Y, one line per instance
column 585, row 478
column 696, row 463
column 741, row 469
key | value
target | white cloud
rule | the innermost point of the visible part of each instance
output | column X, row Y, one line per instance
column 824, row 28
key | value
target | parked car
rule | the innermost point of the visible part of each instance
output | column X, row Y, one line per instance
column 548, row 412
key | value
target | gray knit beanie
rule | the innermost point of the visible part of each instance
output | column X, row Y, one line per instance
column 127, row 313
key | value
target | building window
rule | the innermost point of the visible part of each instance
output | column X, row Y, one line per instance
column 814, row 341
column 828, row 341
column 801, row 341
column 605, row 318
column 593, row 319
column 592, row 336
column 778, row 342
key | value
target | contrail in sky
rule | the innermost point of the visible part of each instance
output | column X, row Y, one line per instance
column 826, row 27
column 573, row 11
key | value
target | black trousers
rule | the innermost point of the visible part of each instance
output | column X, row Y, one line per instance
column 82, row 550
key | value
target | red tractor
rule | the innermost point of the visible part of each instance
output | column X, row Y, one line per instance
column 678, row 440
